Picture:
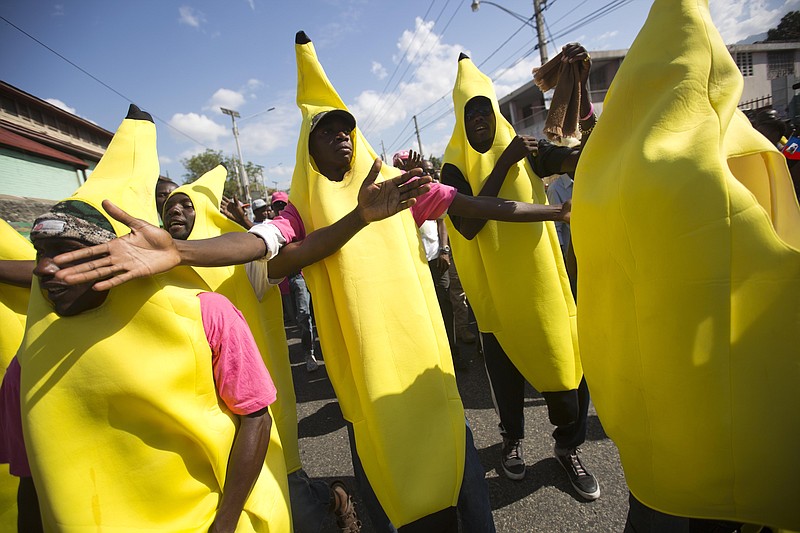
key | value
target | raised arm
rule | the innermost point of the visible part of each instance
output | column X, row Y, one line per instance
column 470, row 207
column 149, row 250
column 376, row 201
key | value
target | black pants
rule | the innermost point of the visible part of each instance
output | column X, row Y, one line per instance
column 567, row 410
column 441, row 282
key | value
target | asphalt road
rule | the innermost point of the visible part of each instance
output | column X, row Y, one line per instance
column 542, row 502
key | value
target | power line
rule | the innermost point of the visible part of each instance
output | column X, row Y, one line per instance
column 388, row 105
column 98, row 80
column 410, row 62
column 402, row 55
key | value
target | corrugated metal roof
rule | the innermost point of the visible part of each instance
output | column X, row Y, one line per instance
column 13, row 140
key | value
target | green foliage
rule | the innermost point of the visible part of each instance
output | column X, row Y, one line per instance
column 788, row 28
column 437, row 162
column 199, row 164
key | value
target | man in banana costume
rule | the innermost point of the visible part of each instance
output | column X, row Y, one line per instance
column 192, row 211
column 513, row 274
column 155, row 427
column 369, row 278
column 687, row 232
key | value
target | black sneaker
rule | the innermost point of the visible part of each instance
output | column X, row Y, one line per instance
column 582, row 480
column 512, row 461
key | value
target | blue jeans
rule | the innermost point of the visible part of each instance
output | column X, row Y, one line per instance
column 302, row 308
column 311, row 501
column 473, row 499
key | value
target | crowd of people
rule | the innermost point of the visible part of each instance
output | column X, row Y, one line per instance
column 149, row 385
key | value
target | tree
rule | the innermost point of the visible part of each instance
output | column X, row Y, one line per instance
column 199, row 164
column 788, row 28
column 437, row 162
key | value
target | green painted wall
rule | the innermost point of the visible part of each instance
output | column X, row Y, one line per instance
column 36, row 177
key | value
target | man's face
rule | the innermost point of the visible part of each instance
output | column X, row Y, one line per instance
column 427, row 168
column 330, row 144
column 479, row 122
column 179, row 216
column 260, row 214
column 278, row 206
column 67, row 300
column 163, row 190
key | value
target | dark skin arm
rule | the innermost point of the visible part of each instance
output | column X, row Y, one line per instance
column 148, row 250
column 19, row 273
column 247, row 456
column 444, row 240
column 507, row 210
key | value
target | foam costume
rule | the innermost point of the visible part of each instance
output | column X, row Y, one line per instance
column 121, row 417
column 13, row 307
column 380, row 326
column 513, row 273
column 265, row 316
column 687, row 231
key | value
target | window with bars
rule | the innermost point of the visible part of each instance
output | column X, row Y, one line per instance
column 744, row 60
column 780, row 64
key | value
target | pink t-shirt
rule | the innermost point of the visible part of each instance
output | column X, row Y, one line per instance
column 243, row 382
column 429, row 206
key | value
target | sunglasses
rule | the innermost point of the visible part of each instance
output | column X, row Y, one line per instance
column 482, row 110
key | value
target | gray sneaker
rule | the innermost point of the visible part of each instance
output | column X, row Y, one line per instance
column 511, row 460
column 311, row 363
column 581, row 479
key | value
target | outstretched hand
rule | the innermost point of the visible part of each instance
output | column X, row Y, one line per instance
column 145, row 251
column 414, row 161
column 234, row 210
column 377, row 201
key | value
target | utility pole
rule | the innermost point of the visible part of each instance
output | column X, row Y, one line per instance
column 419, row 141
column 537, row 10
column 243, row 181
column 383, row 151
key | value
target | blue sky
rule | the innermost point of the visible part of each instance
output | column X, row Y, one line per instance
column 389, row 60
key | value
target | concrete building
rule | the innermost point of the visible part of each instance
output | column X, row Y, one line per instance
column 45, row 152
column 769, row 70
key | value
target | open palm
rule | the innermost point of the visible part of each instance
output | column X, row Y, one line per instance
column 377, row 201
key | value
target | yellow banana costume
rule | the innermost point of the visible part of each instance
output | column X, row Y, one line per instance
column 513, row 274
column 381, row 330
column 13, row 307
column 265, row 317
column 687, row 230
column 122, row 422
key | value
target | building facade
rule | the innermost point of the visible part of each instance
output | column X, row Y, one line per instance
column 769, row 71
column 45, row 151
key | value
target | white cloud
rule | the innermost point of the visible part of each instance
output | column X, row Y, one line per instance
column 253, row 84
column 165, row 160
column 252, row 4
column 737, row 19
column 58, row 10
column 225, row 98
column 431, row 75
column 191, row 17
column 199, row 127
column 61, row 105
column 267, row 132
column 379, row 70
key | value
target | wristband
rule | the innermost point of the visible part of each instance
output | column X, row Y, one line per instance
column 590, row 113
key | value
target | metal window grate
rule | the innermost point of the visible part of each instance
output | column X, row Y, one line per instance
column 744, row 60
column 780, row 64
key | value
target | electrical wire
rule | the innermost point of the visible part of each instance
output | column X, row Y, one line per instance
column 98, row 80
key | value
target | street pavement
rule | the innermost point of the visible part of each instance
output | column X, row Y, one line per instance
column 542, row 502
